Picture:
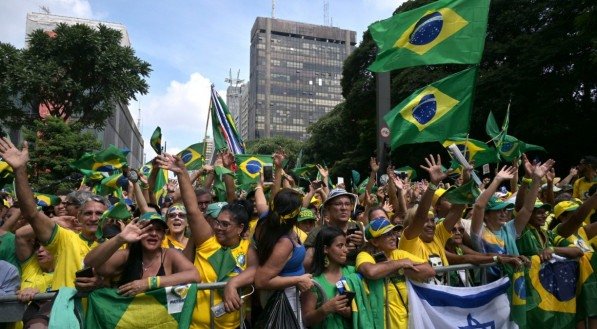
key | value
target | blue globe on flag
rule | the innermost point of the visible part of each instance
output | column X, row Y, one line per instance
column 426, row 109
column 427, row 29
column 253, row 167
column 186, row 156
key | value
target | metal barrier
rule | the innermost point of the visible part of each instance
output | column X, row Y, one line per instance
column 11, row 310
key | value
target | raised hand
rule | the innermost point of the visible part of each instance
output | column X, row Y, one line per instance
column 133, row 231
column 278, row 158
column 542, row 169
column 323, row 172
column 550, row 175
column 227, row 159
column 12, row 155
column 528, row 166
column 506, row 173
column 434, row 168
column 170, row 162
column 374, row 164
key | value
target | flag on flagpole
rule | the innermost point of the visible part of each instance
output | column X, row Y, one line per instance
column 225, row 134
column 156, row 140
column 473, row 150
column 438, row 33
column 508, row 147
column 435, row 112
column 193, row 156
column 486, row 306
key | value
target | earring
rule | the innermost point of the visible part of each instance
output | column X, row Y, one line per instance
column 326, row 261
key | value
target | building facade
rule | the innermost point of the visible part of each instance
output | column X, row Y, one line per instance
column 120, row 129
column 295, row 73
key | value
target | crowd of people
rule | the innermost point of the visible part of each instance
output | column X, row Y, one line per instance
column 328, row 251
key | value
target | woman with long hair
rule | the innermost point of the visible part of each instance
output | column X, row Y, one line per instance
column 340, row 284
column 144, row 264
column 220, row 252
column 176, row 219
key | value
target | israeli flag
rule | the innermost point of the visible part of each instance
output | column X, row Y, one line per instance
column 483, row 307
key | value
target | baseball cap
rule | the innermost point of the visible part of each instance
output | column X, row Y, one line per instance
column 498, row 204
column 563, row 207
column 213, row 209
column 378, row 227
column 153, row 216
column 437, row 194
column 337, row 192
column 306, row 214
column 540, row 205
column 177, row 207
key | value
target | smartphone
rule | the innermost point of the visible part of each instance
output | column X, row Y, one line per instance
column 268, row 173
column 380, row 257
column 352, row 231
column 317, row 184
column 85, row 273
column 349, row 296
column 340, row 180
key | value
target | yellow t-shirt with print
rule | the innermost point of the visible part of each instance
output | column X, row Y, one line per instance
column 33, row 276
column 397, row 299
column 170, row 242
column 202, row 311
column 581, row 187
column 429, row 251
column 69, row 250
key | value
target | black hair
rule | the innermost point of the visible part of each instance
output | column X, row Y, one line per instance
column 324, row 238
column 272, row 228
column 239, row 213
column 133, row 267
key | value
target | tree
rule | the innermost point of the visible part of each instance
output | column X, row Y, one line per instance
column 54, row 145
column 539, row 54
column 76, row 72
column 270, row 145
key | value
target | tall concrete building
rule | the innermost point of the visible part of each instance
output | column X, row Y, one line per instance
column 120, row 129
column 234, row 100
column 295, row 73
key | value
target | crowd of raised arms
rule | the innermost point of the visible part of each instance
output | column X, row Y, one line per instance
column 281, row 240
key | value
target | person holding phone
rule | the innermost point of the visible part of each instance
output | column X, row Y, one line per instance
column 385, row 269
column 340, row 284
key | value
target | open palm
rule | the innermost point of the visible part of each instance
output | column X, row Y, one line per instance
column 12, row 155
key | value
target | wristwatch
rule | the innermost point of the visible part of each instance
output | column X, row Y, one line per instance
column 133, row 176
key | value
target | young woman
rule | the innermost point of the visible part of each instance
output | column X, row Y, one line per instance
column 144, row 264
column 220, row 252
column 385, row 268
column 328, row 270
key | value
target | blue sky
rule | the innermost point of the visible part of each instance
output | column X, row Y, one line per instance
column 190, row 45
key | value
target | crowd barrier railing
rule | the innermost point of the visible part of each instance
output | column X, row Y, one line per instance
column 12, row 310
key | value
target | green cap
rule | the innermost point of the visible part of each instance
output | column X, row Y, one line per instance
column 153, row 216
column 541, row 205
column 213, row 209
column 497, row 204
column 306, row 214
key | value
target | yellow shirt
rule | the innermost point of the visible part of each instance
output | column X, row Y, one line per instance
column 170, row 242
column 202, row 312
column 433, row 251
column 398, row 311
column 581, row 187
column 69, row 250
column 32, row 275
column 301, row 234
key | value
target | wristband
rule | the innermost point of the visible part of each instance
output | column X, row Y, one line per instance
column 432, row 187
column 153, row 282
column 526, row 181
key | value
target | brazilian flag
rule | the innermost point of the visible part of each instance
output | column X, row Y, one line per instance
column 409, row 171
column 219, row 186
column 6, row 175
column 161, row 179
column 170, row 307
column 508, row 147
column 305, row 172
column 464, row 194
column 473, row 150
column 250, row 166
column 435, row 112
column 441, row 32
column 156, row 140
column 193, row 156
column 106, row 160
column 112, row 183
column 44, row 200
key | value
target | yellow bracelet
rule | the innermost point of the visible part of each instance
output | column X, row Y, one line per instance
column 153, row 282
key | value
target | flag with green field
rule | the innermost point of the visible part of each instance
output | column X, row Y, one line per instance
column 193, row 156
column 441, row 32
column 156, row 140
column 250, row 166
column 170, row 307
column 435, row 112
column 472, row 150
column 106, row 160
column 44, row 200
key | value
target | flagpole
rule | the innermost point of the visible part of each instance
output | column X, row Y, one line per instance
column 206, row 127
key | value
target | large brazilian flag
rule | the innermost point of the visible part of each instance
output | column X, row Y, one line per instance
column 170, row 307
column 445, row 31
column 106, row 160
column 435, row 112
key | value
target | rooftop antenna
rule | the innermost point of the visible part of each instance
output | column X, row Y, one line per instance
column 326, row 12
column 139, row 116
column 273, row 8
column 45, row 9
column 234, row 82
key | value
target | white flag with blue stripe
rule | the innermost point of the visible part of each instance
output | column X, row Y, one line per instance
column 483, row 307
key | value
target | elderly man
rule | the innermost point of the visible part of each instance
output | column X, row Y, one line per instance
column 339, row 206
column 68, row 247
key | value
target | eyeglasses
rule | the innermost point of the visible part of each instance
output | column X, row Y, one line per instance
column 342, row 204
column 177, row 214
column 459, row 230
column 224, row 225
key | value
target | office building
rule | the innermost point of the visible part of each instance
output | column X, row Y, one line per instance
column 120, row 129
column 295, row 73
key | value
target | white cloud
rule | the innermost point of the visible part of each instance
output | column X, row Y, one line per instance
column 384, row 5
column 13, row 14
column 181, row 114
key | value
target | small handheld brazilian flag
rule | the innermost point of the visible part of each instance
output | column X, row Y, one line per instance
column 156, row 140
column 193, row 156
column 441, row 32
column 435, row 112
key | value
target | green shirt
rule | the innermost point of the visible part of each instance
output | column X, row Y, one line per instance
column 8, row 249
column 532, row 241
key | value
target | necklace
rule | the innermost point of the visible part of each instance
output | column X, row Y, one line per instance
column 145, row 268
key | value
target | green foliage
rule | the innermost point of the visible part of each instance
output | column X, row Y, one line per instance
column 270, row 145
column 540, row 54
column 79, row 73
column 53, row 146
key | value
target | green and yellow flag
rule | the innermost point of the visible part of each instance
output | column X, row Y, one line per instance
column 44, row 200
column 219, row 186
column 441, row 32
column 435, row 112
column 508, row 147
column 193, row 156
column 473, row 150
column 464, row 194
column 409, row 171
column 106, row 160
column 249, row 167
column 156, row 140
column 170, row 307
